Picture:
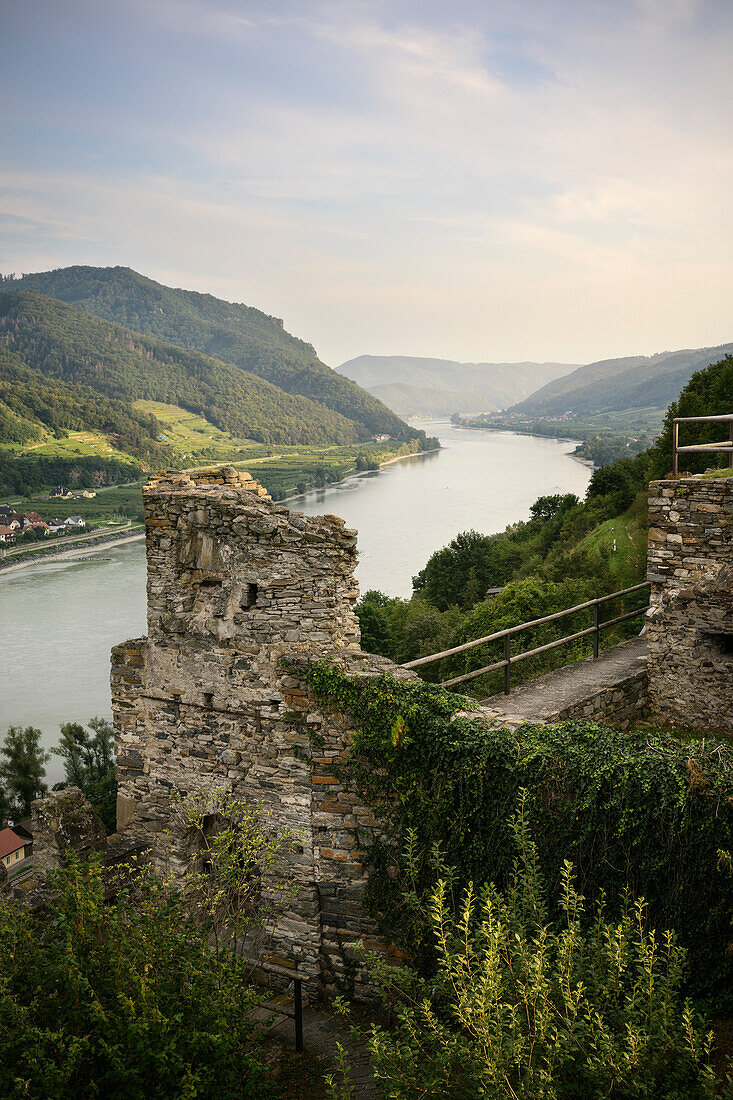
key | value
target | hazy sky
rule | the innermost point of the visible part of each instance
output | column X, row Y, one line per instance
column 471, row 179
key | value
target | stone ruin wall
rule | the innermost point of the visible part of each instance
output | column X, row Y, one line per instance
column 236, row 582
column 690, row 621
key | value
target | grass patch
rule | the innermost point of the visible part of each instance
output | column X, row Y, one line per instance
column 627, row 562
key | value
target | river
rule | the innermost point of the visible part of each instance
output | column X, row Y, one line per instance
column 60, row 619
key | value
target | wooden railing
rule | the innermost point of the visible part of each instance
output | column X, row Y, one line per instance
column 507, row 634
column 726, row 445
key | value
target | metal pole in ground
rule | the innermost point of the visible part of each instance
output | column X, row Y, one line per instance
column 298, row 1016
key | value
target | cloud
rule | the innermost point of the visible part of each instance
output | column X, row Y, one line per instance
column 551, row 179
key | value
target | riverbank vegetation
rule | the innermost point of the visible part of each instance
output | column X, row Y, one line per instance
column 604, row 438
column 567, row 552
column 89, row 764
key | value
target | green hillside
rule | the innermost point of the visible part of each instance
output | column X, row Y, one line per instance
column 75, row 347
column 234, row 333
column 614, row 384
column 34, row 407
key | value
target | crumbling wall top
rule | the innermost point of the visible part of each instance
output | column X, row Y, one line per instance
column 227, row 565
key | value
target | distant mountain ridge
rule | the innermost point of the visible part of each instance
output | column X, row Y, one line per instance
column 414, row 386
column 633, row 382
column 232, row 333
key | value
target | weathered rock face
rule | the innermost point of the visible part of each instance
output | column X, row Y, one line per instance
column 61, row 821
column 235, row 583
column 690, row 621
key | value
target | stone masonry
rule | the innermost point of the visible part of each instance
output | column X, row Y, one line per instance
column 235, row 583
column 690, row 621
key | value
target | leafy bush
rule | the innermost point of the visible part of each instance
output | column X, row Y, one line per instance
column 522, row 1008
column 640, row 811
column 122, row 999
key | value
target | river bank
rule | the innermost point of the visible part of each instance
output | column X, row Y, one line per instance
column 353, row 473
column 77, row 549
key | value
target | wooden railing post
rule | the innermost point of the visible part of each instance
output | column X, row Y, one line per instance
column 507, row 666
column 675, row 445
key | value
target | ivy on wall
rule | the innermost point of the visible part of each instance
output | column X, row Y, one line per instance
column 641, row 812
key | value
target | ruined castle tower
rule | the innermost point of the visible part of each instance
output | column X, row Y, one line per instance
column 234, row 583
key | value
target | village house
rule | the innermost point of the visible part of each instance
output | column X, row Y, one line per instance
column 32, row 517
column 16, row 847
column 7, row 534
column 75, row 523
column 41, row 525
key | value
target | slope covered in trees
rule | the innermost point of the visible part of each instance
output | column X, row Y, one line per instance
column 635, row 382
column 32, row 405
column 77, row 348
column 228, row 331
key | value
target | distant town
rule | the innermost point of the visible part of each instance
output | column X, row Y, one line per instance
column 21, row 527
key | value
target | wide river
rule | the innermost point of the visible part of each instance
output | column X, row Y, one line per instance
column 60, row 619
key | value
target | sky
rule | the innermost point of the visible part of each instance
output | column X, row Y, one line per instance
column 483, row 180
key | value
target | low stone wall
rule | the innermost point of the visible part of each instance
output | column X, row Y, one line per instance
column 618, row 705
column 612, row 689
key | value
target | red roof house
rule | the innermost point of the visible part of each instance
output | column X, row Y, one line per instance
column 13, row 848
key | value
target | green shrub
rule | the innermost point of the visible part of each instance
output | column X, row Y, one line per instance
column 637, row 811
column 522, row 1008
column 120, row 1000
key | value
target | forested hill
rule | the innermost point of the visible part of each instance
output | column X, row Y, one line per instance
column 75, row 347
column 635, row 382
column 32, row 405
column 234, row 333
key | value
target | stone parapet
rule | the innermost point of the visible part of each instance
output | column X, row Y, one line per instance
column 613, row 689
column 690, row 529
column 690, row 620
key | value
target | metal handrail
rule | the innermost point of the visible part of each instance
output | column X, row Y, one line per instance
column 700, row 447
column 510, row 631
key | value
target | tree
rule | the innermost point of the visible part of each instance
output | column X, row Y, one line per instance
column 122, row 996
column 87, row 757
column 89, row 764
column 23, row 767
column 4, row 808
